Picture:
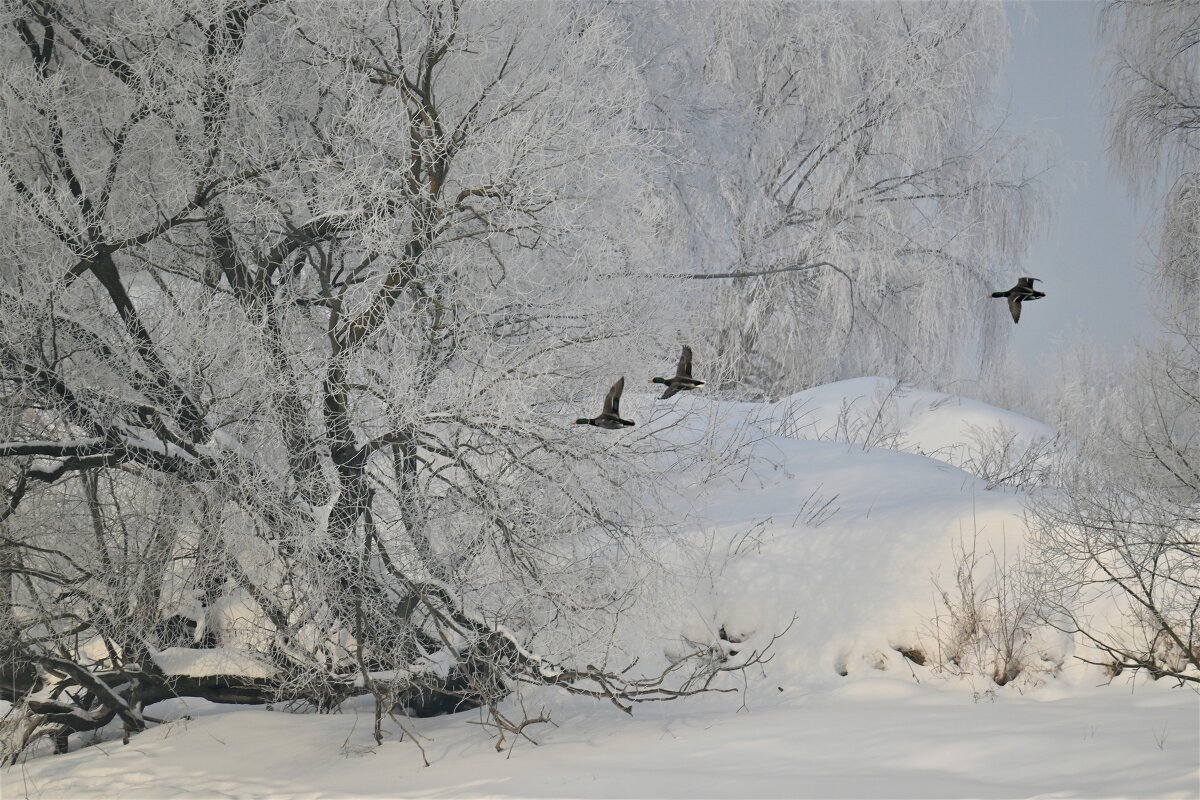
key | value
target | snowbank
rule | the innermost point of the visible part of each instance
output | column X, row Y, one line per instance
column 883, row 412
column 843, row 541
column 193, row 663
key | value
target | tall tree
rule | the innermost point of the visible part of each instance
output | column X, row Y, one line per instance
column 300, row 301
column 850, row 192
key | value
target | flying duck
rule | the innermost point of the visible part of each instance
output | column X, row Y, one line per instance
column 683, row 380
column 1018, row 294
column 610, row 417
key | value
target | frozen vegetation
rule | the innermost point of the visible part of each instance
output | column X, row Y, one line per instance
column 300, row 303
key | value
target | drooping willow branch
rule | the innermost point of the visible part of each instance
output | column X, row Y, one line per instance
column 708, row 276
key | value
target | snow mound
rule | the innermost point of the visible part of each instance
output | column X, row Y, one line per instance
column 884, row 412
column 201, row 663
column 849, row 528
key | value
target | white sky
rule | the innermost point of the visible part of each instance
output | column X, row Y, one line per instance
column 1094, row 251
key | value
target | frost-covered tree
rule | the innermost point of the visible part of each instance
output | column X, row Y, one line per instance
column 300, row 299
column 298, row 302
column 1121, row 544
column 849, row 193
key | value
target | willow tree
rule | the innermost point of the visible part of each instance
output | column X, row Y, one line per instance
column 851, row 193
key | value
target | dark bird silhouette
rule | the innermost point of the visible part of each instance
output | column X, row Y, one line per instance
column 1019, row 294
column 610, row 417
column 683, row 380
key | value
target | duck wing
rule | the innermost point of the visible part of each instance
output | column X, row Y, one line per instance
column 612, row 402
column 1014, row 306
column 672, row 390
column 684, row 367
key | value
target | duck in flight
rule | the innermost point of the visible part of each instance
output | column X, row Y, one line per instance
column 683, row 380
column 1018, row 294
column 610, row 417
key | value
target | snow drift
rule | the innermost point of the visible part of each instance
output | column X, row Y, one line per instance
column 849, row 544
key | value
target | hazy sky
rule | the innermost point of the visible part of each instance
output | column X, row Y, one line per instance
column 1093, row 253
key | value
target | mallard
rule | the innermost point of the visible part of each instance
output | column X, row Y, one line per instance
column 683, row 380
column 1018, row 294
column 610, row 417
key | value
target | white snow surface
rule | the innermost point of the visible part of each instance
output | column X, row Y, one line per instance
column 194, row 663
column 836, row 543
column 944, row 427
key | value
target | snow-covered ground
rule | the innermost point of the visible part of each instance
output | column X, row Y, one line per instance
column 842, row 544
column 879, row 736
